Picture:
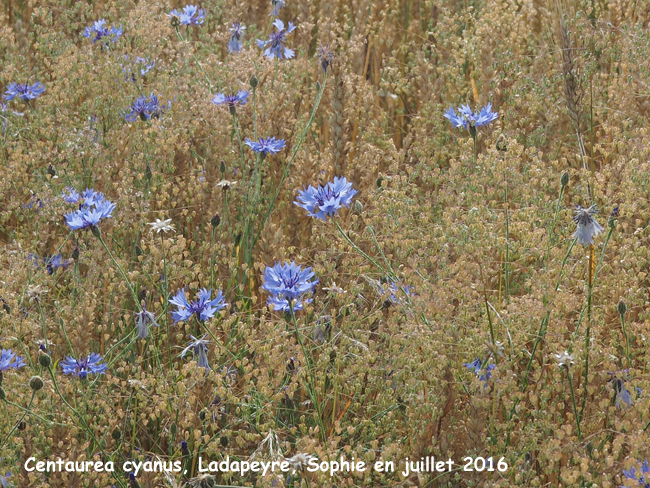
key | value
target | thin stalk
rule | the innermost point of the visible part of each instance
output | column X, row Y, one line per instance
column 128, row 283
column 358, row 249
column 285, row 173
column 557, row 211
column 573, row 399
column 627, row 341
column 588, row 332
column 31, row 401
column 310, row 366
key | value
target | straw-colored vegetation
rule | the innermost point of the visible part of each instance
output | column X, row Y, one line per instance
column 458, row 245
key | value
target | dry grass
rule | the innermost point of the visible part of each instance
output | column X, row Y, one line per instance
column 485, row 244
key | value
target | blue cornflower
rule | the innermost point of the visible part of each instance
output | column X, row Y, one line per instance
column 286, row 282
column 72, row 196
column 236, row 33
column 143, row 319
column 199, row 348
column 325, row 201
column 9, row 360
column 275, row 43
column 231, row 100
column 191, row 14
column 640, row 478
column 146, row 108
column 477, row 365
column 277, row 5
column 270, row 145
column 467, row 119
column 82, row 367
column 394, row 287
column 282, row 304
column 4, row 480
column 89, row 214
column 622, row 393
column 204, row 308
column 24, row 91
column 99, row 32
column 144, row 65
column 52, row 263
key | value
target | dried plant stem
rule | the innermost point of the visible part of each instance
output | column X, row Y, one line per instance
column 627, row 341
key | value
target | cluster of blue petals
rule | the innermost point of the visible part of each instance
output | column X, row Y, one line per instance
column 270, row 145
column 190, row 14
column 465, row 118
column 203, row 308
column 287, row 284
column 93, row 209
column 99, row 32
column 326, row 200
column 82, row 367
column 24, row 91
column 274, row 46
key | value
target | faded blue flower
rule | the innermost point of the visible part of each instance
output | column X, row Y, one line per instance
column 236, row 34
column 325, row 56
column 467, row 119
column 4, row 480
column 52, row 263
column 274, row 46
column 99, row 32
column 270, row 145
column 622, row 394
column 204, row 308
column 199, row 348
column 9, row 360
column 24, row 91
column 277, row 5
column 286, row 282
column 282, row 304
column 240, row 98
column 146, row 108
column 143, row 319
column 143, row 65
column 325, row 201
column 82, row 367
column 73, row 195
column 477, row 365
column 640, row 478
column 191, row 14
column 91, row 212
column 587, row 226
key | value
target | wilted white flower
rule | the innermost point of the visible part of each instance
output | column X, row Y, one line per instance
column 161, row 225
column 298, row 461
column 564, row 359
column 226, row 184
column 34, row 292
column 333, row 288
column 588, row 227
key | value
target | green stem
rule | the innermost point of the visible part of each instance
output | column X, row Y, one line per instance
column 310, row 366
column 285, row 173
column 573, row 399
column 98, row 234
column 31, row 400
column 359, row 250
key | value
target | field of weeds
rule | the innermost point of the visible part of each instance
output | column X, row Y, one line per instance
column 247, row 232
